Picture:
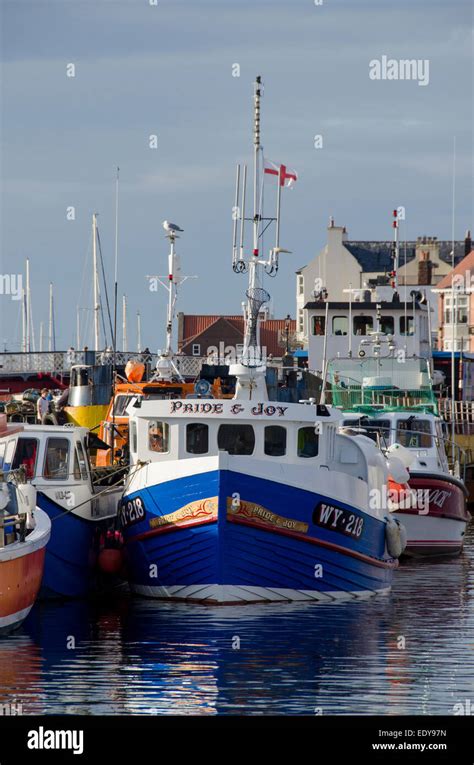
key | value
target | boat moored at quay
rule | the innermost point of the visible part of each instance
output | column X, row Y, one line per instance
column 24, row 533
column 250, row 499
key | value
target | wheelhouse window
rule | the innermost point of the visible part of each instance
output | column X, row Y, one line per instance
column 407, row 325
column 26, row 453
column 80, row 463
column 363, row 325
column 197, row 438
column 236, row 439
column 318, row 325
column 133, row 436
column 373, row 428
column 56, row 459
column 275, row 441
column 340, row 325
column 158, row 436
column 414, row 434
column 308, row 442
column 120, row 405
column 387, row 325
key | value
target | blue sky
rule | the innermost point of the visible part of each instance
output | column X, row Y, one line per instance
column 167, row 70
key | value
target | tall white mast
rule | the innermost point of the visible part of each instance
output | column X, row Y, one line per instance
column 28, row 308
column 23, row 320
column 78, row 328
column 124, row 323
column 139, row 332
column 95, row 277
column 51, row 338
column 41, row 337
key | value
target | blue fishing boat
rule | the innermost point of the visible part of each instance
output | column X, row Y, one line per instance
column 56, row 463
column 251, row 500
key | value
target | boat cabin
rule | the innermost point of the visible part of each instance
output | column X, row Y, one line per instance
column 346, row 328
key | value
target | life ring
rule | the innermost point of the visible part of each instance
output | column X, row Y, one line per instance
column 395, row 537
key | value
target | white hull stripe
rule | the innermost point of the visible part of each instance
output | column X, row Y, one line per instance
column 224, row 594
column 16, row 618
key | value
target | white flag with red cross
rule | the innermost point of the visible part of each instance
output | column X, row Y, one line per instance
column 286, row 176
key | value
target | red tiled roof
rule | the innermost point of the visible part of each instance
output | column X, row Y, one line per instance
column 271, row 330
column 466, row 264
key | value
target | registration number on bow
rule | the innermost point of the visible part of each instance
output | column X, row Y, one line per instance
column 338, row 519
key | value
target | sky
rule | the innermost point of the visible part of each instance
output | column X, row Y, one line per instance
column 167, row 70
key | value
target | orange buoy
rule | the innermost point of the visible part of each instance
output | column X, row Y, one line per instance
column 134, row 371
column 110, row 560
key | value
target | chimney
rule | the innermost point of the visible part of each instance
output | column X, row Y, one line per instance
column 467, row 243
column 425, row 269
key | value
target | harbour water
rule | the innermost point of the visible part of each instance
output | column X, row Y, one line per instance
column 409, row 653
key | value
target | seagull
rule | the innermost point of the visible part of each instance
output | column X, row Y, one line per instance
column 171, row 227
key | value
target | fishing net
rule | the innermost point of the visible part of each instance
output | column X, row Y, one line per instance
column 256, row 296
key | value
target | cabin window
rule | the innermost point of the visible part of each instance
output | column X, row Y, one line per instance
column 414, row 434
column 9, row 452
column 387, row 325
column 133, row 436
column 196, row 350
column 25, row 454
column 2, row 454
column 56, row 459
column 236, row 439
column 318, row 325
column 308, row 442
column 275, row 440
column 340, row 325
column 158, row 436
column 374, row 428
column 407, row 325
column 363, row 325
column 120, row 405
column 80, row 464
column 197, row 438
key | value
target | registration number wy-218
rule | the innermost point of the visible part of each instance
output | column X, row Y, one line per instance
column 338, row 519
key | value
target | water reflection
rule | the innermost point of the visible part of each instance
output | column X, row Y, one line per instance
column 409, row 653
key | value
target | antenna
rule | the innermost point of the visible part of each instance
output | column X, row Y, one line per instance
column 166, row 369
column 28, row 308
column 139, row 332
column 124, row 323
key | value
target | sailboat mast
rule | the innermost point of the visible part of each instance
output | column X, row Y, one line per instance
column 28, row 308
column 124, row 323
column 95, row 277
column 51, row 319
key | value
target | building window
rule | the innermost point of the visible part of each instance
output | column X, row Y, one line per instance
column 407, row 325
column 461, row 309
column 363, row 325
column 275, row 441
column 308, row 442
column 25, row 454
column 340, row 325
column 236, row 439
column 300, row 285
column 387, row 325
column 158, row 436
column 300, row 320
column 318, row 325
column 197, row 438
column 196, row 349
column 56, row 459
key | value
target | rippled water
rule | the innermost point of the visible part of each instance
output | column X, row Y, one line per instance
column 140, row 656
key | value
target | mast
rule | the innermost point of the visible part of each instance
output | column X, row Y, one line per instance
column 51, row 335
column 124, row 323
column 28, row 308
column 41, row 338
column 95, row 277
column 139, row 332
column 23, row 320
column 396, row 250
